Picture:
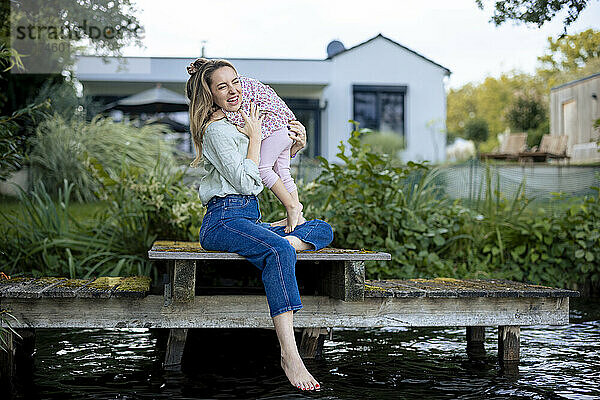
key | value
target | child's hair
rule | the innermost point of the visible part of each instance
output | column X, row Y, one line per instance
column 201, row 100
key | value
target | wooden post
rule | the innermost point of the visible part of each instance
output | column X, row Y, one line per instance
column 345, row 280
column 311, row 345
column 475, row 342
column 7, row 357
column 175, row 347
column 508, row 344
column 184, row 281
column 25, row 348
column 183, row 291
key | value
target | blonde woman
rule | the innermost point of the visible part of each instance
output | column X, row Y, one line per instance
column 229, row 184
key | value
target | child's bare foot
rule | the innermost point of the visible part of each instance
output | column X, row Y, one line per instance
column 297, row 373
column 301, row 219
column 293, row 214
column 281, row 222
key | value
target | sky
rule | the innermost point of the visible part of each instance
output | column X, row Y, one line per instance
column 453, row 33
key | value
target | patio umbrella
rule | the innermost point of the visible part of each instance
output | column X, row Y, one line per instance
column 155, row 100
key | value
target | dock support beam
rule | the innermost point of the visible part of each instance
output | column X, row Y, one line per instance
column 508, row 348
column 183, row 278
column 7, row 358
column 311, row 345
column 475, row 342
column 344, row 280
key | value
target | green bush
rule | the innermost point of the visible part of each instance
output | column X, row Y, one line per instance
column 45, row 239
column 384, row 143
column 476, row 129
column 375, row 204
column 62, row 150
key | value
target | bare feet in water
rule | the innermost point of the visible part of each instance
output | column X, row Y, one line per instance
column 297, row 373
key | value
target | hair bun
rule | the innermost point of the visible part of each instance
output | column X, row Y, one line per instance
column 196, row 65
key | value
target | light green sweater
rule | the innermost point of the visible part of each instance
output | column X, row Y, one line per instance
column 225, row 168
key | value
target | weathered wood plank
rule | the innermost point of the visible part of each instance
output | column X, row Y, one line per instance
column 175, row 348
column 476, row 342
column 68, row 288
column 101, row 287
column 508, row 344
column 34, row 288
column 170, row 250
column 311, row 344
column 343, row 280
column 7, row 285
column 251, row 312
column 132, row 286
column 7, row 358
column 184, row 281
column 464, row 288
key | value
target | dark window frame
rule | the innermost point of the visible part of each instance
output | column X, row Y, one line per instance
column 378, row 90
column 311, row 105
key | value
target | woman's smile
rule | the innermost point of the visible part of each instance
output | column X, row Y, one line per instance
column 234, row 100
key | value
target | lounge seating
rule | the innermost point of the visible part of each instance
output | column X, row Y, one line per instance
column 551, row 146
column 509, row 149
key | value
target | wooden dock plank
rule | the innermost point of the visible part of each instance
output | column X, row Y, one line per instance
column 67, row 288
column 170, row 250
column 132, row 287
column 458, row 288
column 7, row 285
column 34, row 288
column 319, row 311
column 101, row 287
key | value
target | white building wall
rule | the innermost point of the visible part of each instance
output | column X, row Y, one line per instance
column 377, row 62
column 381, row 62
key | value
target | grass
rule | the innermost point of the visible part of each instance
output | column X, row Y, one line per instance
column 79, row 211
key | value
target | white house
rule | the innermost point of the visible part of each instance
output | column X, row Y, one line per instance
column 380, row 83
column 574, row 107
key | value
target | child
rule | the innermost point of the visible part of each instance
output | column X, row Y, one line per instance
column 274, row 166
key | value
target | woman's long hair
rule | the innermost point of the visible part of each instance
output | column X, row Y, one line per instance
column 201, row 100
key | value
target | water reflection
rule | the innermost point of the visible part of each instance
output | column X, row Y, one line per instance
column 556, row 362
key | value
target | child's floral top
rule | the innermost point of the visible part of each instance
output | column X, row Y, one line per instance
column 277, row 113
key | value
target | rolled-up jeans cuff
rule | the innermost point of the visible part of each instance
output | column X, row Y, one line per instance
column 286, row 309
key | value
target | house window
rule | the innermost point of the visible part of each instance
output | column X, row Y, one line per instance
column 380, row 108
column 309, row 114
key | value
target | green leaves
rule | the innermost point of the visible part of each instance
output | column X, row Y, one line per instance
column 377, row 203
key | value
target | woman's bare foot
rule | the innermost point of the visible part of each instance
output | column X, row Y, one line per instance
column 293, row 214
column 297, row 373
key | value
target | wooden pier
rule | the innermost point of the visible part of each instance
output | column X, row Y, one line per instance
column 340, row 297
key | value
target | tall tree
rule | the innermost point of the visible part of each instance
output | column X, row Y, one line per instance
column 570, row 57
column 535, row 11
column 50, row 32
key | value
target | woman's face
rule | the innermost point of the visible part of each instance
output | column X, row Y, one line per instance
column 226, row 89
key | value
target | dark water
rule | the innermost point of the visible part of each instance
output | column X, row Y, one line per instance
column 556, row 363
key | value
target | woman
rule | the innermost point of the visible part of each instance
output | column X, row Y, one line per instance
column 229, row 184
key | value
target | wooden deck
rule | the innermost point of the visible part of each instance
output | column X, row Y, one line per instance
column 123, row 303
column 339, row 297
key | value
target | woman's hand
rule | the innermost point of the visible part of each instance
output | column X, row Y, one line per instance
column 252, row 122
column 298, row 134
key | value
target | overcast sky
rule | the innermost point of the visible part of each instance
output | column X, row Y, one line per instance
column 453, row 33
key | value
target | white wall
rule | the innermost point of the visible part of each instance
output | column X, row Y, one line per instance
column 381, row 62
column 377, row 62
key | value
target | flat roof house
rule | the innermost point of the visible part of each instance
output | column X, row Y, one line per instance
column 379, row 83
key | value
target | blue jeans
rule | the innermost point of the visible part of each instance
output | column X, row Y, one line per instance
column 233, row 224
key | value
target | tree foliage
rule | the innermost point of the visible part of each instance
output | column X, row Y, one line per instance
column 477, row 130
column 526, row 112
column 570, row 57
column 534, row 11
